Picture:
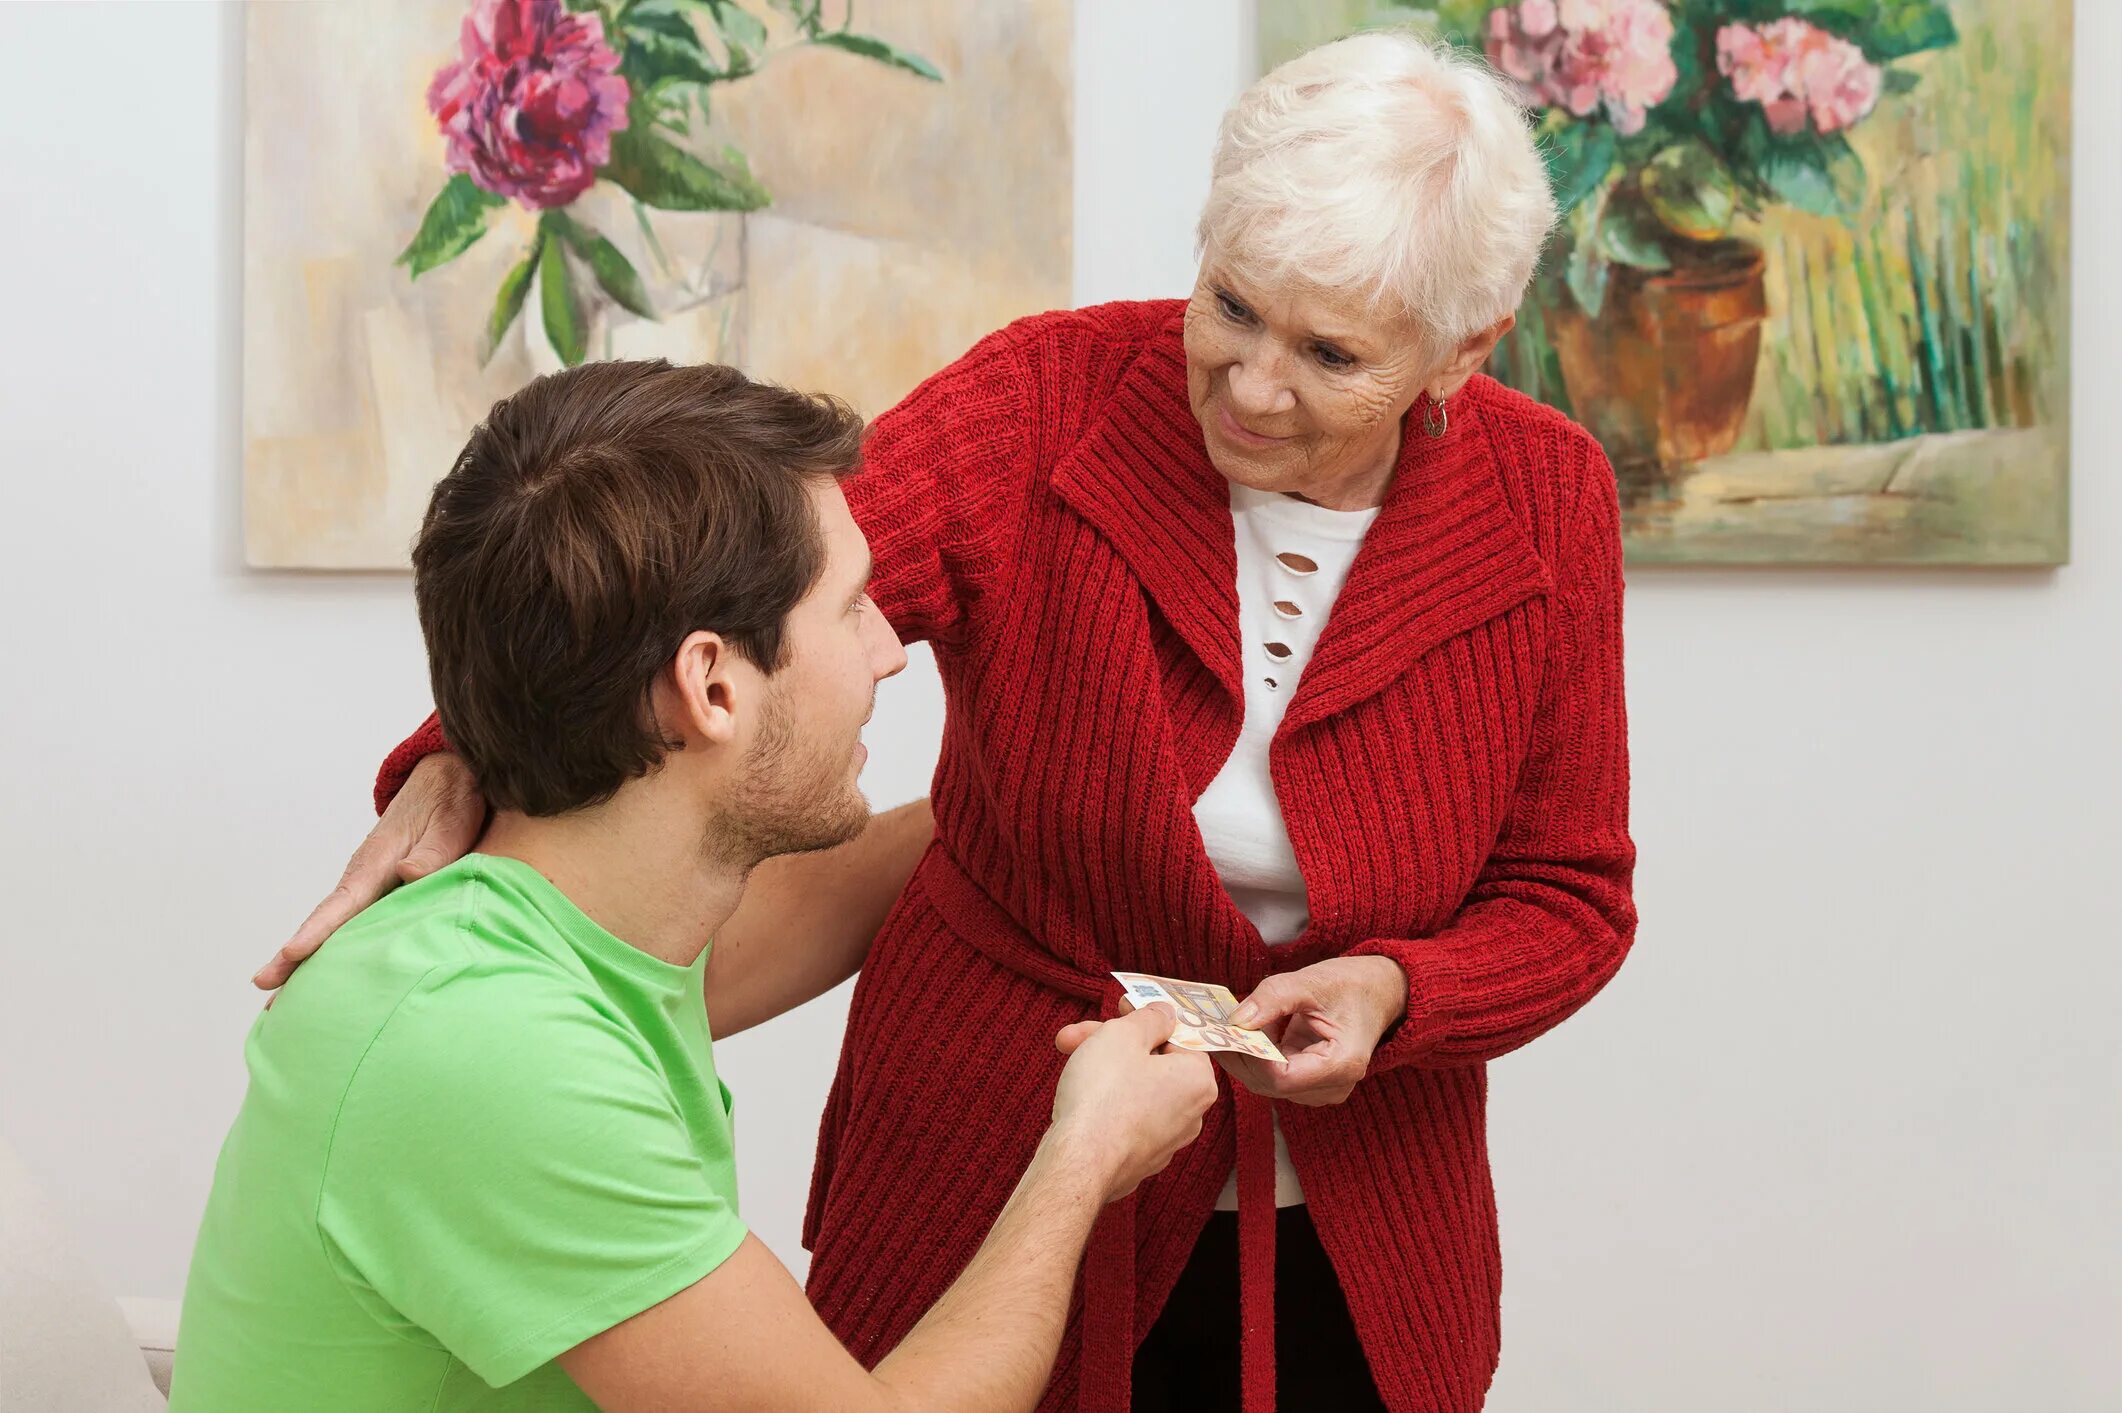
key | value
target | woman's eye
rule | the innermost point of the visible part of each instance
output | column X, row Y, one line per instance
column 1232, row 309
column 1334, row 357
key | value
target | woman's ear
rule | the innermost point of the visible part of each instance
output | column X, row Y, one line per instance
column 1467, row 359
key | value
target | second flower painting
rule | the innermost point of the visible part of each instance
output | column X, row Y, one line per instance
column 1811, row 285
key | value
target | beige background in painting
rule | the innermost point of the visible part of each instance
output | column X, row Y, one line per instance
column 909, row 218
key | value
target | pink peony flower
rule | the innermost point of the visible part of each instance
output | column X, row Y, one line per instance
column 531, row 104
column 1800, row 75
column 1585, row 54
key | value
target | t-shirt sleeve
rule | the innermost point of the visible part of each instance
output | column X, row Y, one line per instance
column 514, row 1176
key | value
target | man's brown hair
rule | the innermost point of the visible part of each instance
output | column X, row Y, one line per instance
column 594, row 520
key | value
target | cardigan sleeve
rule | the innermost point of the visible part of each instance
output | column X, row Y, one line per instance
column 391, row 776
column 1552, row 912
column 932, row 498
column 935, row 493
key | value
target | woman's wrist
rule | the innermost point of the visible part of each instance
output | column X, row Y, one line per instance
column 1386, row 982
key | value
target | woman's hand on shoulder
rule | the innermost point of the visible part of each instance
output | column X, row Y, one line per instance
column 434, row 820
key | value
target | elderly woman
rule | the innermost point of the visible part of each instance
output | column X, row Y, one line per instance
column 1281, row 649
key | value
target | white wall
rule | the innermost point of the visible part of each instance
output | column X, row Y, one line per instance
column 1843, row 1135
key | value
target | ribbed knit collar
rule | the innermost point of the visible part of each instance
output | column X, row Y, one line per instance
column 1445, row 554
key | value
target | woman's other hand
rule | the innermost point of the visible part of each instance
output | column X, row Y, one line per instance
column 1328, row 1019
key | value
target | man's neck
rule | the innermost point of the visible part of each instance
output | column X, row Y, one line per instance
column 639, row 869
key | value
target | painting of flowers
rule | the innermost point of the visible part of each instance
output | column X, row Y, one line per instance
column 1810, row 287
column 445, row 198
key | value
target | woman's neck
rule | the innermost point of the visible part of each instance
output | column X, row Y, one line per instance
column 1363, row 488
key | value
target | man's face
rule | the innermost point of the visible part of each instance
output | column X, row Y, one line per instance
column 798, row 790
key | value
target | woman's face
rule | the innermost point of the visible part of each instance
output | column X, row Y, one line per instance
column 1302, row 390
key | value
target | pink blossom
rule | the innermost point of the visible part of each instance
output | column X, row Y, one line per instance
column 1800, row 75
column 1582, row 55
column 1536, row 17
column 531, row 104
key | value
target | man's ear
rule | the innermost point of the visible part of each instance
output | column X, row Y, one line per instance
column 702, row 689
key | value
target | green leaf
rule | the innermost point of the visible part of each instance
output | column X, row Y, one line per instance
column 662, row 47
column 1690, row 191
column 1883, row 29
column 1901, row 80
column 803, row 12
column 615, row 274
column 663, row 23
column 1629, row 235
column 565, row 323
column 1822, row 175
column 1694, row 69
column 1464, row 22
column 668, row 108
column 742, row 34
column 1578, row 159
column 883, row 53
column 1588, row 269
column 455, row 220
column 1587, row 274
column 508, row 302
column 670, row 178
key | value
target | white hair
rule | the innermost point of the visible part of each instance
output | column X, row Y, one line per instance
column 1388, row 164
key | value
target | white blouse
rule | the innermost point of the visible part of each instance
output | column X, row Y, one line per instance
column 1293, row 558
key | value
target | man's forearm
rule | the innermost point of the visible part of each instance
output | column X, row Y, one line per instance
column 807, row 920
column 990, row 1342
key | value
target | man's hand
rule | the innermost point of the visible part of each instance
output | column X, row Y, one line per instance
column 434, row 821
column 1126, row 1101
column 1328, row 1019
column 743, row 1336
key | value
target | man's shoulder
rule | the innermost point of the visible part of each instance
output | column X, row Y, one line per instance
column 441, row 988
column 427, row 942
column 481, row 1064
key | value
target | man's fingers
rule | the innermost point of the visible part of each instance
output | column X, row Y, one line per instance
column 1071, row 1037
column 1258, row 1076
column 1151, row 1026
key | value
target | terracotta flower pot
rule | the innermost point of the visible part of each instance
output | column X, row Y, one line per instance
column 1663, row 376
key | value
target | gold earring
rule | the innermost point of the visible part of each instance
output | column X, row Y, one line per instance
column 1436, row 417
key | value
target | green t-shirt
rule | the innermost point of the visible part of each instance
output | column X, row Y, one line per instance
column 479, row 1130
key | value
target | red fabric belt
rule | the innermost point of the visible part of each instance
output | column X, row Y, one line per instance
column 1106, row 1377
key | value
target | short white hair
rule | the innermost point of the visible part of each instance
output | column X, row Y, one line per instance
column 1389, row 164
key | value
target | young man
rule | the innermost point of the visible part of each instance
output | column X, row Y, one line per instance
column 485, row 1161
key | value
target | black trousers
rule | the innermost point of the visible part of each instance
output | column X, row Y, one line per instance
column 1189, row 1361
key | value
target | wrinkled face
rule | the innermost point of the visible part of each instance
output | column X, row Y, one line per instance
column 1299, row 389
column 798, row 789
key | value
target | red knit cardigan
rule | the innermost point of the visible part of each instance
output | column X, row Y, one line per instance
column 1453, row 769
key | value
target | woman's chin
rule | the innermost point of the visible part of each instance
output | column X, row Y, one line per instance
column 1270, row 472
